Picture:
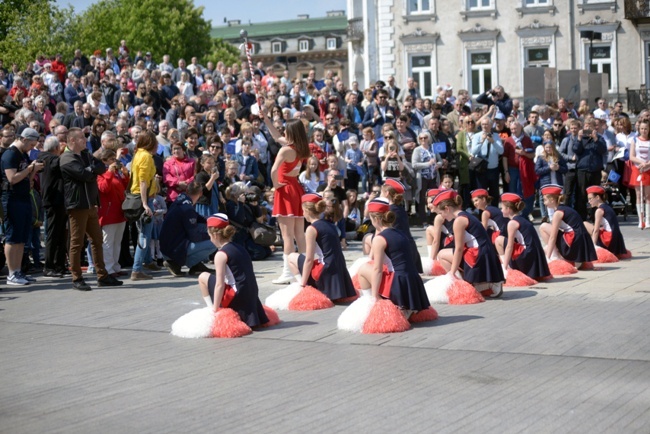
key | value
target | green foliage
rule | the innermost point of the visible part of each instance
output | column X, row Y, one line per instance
column 35, row 27
column 174, row 27
column 224, row 52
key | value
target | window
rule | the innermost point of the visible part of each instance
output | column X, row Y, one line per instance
column 480, row 72
column 479, row 4
column 601, row 61
column 303, row 45
column 331, row 44
column 420, row 70
column 537, row 2
column 419, row 6
column 276, row 47
column 537, row 57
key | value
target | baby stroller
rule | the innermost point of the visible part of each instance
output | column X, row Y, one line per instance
column 615, row 199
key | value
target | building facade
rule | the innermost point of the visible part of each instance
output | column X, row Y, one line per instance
column 298, row 45
column 477, row 44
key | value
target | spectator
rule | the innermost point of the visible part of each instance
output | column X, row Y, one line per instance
column 487, row 144
column 379, row 112
column 566, row 150
column 550, row 167
column 497, row 97
column 243, row 209
column 425, row 164
column 519, row 152
column 206, row 175
column 178, row 172
column 589, row 149
column 80, row 170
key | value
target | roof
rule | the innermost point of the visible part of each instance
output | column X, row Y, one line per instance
column 282, row 28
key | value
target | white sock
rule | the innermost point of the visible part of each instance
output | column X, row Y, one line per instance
column 366, row 292
column 647, row 214
column 208, row 301
column 298, row 278
column 429, row 247
column 639, row 212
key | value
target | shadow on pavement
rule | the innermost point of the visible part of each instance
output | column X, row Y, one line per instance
column 447, row 319
column 514, row 294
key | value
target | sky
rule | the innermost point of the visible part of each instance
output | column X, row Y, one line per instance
column 257, row 11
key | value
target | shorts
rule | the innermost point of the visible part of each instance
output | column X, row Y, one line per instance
column 18, row 221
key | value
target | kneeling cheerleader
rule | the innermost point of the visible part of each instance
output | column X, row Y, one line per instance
column 393, row 191
column 439, row 236
column 491, row 216
column 605, row 232
column 231, row 294
column 520, row 247
column 565, row 234
column 473, row 253
column 393, row 293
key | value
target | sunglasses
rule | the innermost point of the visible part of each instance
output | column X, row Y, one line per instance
column 557, row 125
column 376, row 192
column 388, row 137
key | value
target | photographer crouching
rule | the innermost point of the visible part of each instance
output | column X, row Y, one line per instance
column 244, row 212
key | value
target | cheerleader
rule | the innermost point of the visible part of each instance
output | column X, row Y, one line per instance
column 605, row 231
column 640, row 177
column 473, row 254
column 286, row 203
column 491, row 216
column 399, row 281
column 566, row 232
column 440, row 233
column 519, row 245
column 233, row 285
column 327, row 272
column 393, row 190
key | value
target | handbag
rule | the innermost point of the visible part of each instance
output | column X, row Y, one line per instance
column 262, row 234
column 132, row 206
column 479, row 164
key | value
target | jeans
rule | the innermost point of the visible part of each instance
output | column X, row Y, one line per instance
column 143, row 250
column 490, row 181
column 514, row 186
column 199, row 252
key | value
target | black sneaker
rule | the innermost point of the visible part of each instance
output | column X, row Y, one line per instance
column 81, row 285
column 52, row 273
column 200, row 268
column 173, row 268
column 109, row 281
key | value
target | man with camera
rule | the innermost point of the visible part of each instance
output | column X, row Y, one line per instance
column 589, row 150
column 183, row 238
column 498, row 97
column 79, row 170
column 17, row 173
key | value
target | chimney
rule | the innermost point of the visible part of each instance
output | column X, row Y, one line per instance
column 338, row 13
column 303, row 16
column 233, row 23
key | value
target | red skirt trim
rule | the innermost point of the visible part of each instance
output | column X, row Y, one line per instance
column 386, row 281
column 518, row 250
column 317, row 270
column 470, row 255
column 568, row 237
column 228, row 296
column 495, row 234
column 605, row 237
column 448, row 240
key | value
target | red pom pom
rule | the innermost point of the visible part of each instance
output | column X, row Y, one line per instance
column 438, row 269
column 310, row 298
column 461, row 292
column 385, row 317
column 274, row 318
column 560, row 267
column 605, row 256
column 517, row 278
column 425, row 315
column 355, row 282
column 626, row 255
column 587, row 266
column 228, row 324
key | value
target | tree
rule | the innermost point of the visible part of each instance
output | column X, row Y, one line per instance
column 224, row 52
column 174, row 27
column 37, row 27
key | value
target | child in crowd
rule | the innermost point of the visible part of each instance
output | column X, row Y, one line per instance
column 159, row 211
column 354, row 160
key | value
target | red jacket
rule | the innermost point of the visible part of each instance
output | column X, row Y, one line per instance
column 111, row 195
column 175, row 171
column 60, row 69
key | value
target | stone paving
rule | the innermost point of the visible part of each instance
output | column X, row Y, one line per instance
column 569, row 355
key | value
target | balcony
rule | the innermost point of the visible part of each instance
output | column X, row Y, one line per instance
column 355, row 30
column 637, row 99
column 637, row 11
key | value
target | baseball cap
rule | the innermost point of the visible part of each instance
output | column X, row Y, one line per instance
column 500, row 116
column 29, row 134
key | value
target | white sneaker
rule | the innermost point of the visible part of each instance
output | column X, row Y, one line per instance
column 17, row 280
column 283, row 279
column 27, row 277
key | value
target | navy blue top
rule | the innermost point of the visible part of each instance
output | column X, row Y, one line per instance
column 402, row 225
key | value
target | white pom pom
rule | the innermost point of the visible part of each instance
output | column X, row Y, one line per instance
column 437, row 289
column 281, row 298
column 427, row 265
column 355, row 315
column 354, row 268
column 194, row 324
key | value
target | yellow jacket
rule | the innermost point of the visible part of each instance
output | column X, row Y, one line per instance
column 143, row 169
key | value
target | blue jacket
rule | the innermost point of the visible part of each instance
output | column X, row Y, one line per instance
column 589, row 154
column 180, row 228
column 369, row 118
column 543, row 171
column 250, row 168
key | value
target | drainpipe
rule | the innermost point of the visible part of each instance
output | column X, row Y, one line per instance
column 572, row 34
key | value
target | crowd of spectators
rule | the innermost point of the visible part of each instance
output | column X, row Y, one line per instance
column 201, row 126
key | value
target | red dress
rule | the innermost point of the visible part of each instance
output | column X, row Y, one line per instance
column 287, row 199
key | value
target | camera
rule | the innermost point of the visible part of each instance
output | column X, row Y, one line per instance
column 118, row 165
column 145, row 219
column 586, row 132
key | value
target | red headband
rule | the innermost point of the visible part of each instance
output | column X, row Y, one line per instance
column 433, row 192
column 444, row 195
column 596, row 189
column 479, row 192
column 397, row 186
column 378, row 205
column 312, row 197
column 218, row 221
column 553, row 189
column 511, row 197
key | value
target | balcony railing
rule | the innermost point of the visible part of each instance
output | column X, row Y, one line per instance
column 355, row 29
column 637, row 10
column 637, row 99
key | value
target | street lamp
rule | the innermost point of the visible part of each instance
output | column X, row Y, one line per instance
column 591, row 35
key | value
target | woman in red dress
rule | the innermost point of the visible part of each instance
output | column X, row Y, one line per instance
column 287, row 206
